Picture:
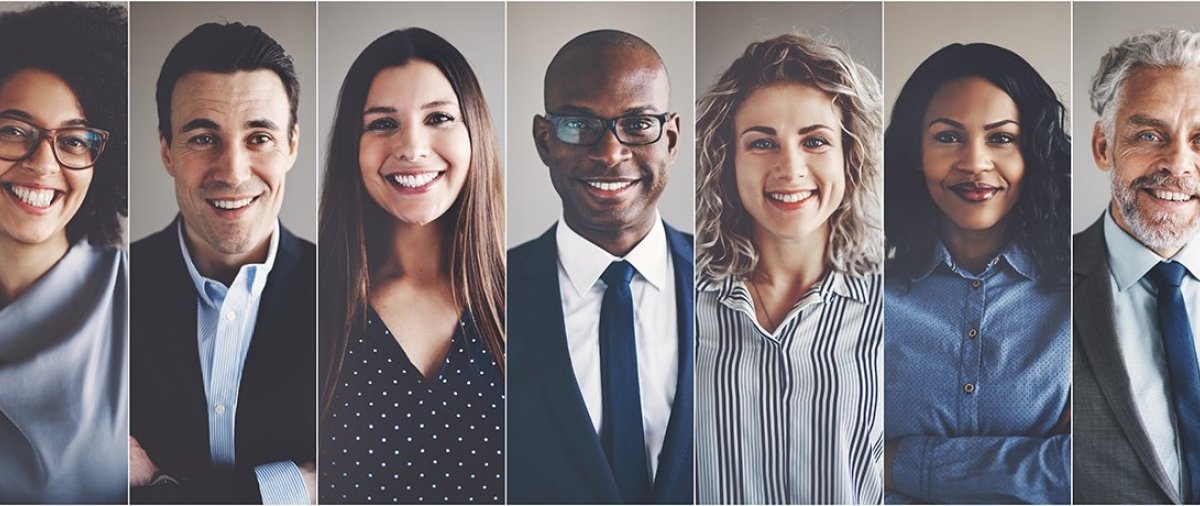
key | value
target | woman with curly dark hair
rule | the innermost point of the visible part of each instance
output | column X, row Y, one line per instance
column 977, row 192
column 63, row 283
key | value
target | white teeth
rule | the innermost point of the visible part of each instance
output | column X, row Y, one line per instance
column 1166, row 195
column 36, row 197
column 414, row 180
column 791, row 197
column 609, row 186
column 231, row 204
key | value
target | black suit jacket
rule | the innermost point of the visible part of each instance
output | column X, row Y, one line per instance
column 276, row 408
column 554, row 454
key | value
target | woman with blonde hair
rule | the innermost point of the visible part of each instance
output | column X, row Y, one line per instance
column 789, row 314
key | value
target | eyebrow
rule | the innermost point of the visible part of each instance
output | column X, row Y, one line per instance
column 28, row 117
column 771, row 131
column 262, row 123
column 575, row 109
column 960, row 126
column 198, row 124
column 1143, row 120
column 386, row 109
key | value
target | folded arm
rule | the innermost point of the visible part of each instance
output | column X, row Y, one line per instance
column 981, row 469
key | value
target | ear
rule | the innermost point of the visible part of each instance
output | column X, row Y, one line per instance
column 1100, row 148
column 541, row 137
column 293, row 146
column 164, row 150
column 671, row 131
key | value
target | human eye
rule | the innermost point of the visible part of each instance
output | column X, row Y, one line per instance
column 637, row 124
column 13, row 132
column 1148, row 136
column 260, row 141
column 575, row 123
column 761, row 144
column 947, row 137
column 75, row 142
column 201, row 141
column 1002, row 138
column 382, row 125
column 815, row 142
column 440, row 119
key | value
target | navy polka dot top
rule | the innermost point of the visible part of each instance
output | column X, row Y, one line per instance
column 395, row 437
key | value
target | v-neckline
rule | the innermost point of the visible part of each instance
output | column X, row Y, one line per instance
column 444, row 361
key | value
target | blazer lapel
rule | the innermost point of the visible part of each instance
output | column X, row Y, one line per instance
column 1098, row 336
column 558, row 377
column 673, row 483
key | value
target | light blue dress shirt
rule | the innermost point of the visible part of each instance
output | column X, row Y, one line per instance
column 978, row 374
column 225, row 318
column 1139, row 336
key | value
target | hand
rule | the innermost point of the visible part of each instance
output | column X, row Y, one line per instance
column 141, row 469
column 308, row 471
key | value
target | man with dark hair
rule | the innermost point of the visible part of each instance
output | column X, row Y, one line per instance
column 600, row 355
column 223, row 384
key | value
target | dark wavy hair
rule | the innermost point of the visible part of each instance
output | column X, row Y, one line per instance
column 1040, row 221
column 354, row 231
column 84, row 44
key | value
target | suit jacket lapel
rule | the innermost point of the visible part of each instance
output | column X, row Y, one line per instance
column 558, row 378
column 675, row 463
column 1098, row 337
column 258, row 369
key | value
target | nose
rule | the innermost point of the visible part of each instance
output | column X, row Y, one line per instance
column 792, row 164
column 234, row 166
column 609, row 151
column 42, row 161
column 1181, row 157
column 410, row 144
column 975, row 158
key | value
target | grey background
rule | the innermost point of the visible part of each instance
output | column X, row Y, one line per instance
column 535, row 32
column 154, row 28
column 724, row 29
column 476, row 29
column 1099, row 26
column 1038, row 31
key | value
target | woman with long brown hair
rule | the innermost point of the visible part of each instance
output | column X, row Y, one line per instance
column 412, row 276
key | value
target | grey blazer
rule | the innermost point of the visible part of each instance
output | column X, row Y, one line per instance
column 1114, row 460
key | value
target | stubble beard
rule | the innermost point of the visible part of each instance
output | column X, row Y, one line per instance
column 1157, row 230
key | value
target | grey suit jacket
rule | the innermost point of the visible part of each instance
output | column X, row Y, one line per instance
column 1114, row 460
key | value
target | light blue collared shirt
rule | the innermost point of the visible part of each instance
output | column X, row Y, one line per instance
column 225, row 319
column 1139, row 336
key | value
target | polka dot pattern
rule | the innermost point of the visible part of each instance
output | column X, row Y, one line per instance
column 396, row 437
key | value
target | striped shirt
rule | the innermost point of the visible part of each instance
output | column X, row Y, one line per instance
column 793, row 416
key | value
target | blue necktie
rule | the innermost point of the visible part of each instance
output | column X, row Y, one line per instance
column 621, row 424
column 1185, row 374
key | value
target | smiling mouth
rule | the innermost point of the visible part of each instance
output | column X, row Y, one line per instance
column 1168, row 195
column 975, row 192
column 791, row 197
column 414, row 180
column 232, row 204
column 40, row 198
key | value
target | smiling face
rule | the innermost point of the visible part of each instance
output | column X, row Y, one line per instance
column 608, row 187
column 40, row 196
column 415, row 149
column 228, row 154
column 789, row 161
column 971, row 154
column 1154, row 155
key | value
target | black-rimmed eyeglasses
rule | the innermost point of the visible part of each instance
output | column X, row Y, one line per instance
column 74, row 147
column 634, row 130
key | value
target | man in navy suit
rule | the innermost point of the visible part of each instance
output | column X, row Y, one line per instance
column 600, row 325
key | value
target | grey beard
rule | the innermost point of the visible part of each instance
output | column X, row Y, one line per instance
column 1159, row 231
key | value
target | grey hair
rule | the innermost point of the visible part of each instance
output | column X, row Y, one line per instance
column 1162, row 48
column 723, row 227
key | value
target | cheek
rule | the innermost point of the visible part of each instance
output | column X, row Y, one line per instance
column 749, row 174
column 371, row 154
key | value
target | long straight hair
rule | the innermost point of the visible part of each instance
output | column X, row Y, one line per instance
column 354, row 230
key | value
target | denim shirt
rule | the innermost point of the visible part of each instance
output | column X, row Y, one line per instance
column 978, row 374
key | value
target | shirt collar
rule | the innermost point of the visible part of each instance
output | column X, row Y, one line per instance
column 832, row 283
column 211, row 291
column 1130, row 260
column 584, row 261
column 1012, row 254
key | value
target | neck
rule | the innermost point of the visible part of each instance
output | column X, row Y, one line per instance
column 221, row 266
column 24, row 264
column 418, row 253
column 793, row 264
column 618, row 242
column 973, row 249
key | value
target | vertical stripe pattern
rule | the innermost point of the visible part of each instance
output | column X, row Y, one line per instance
column 793, row 416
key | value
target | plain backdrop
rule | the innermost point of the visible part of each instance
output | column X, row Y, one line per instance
column 1099, row 26
column 535, row 32
column 154, row 28
column 476, row 29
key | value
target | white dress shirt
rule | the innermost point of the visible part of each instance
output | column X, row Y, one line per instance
column 1139, row 336
column 656, row 324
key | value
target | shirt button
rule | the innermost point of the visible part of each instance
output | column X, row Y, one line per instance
column 969, row 388
column 976, row 284
column 219, row 409
column 972, row 333
column 230, row 315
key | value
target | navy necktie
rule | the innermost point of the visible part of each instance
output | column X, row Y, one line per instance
column 1185, row 374
column 621, row 423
